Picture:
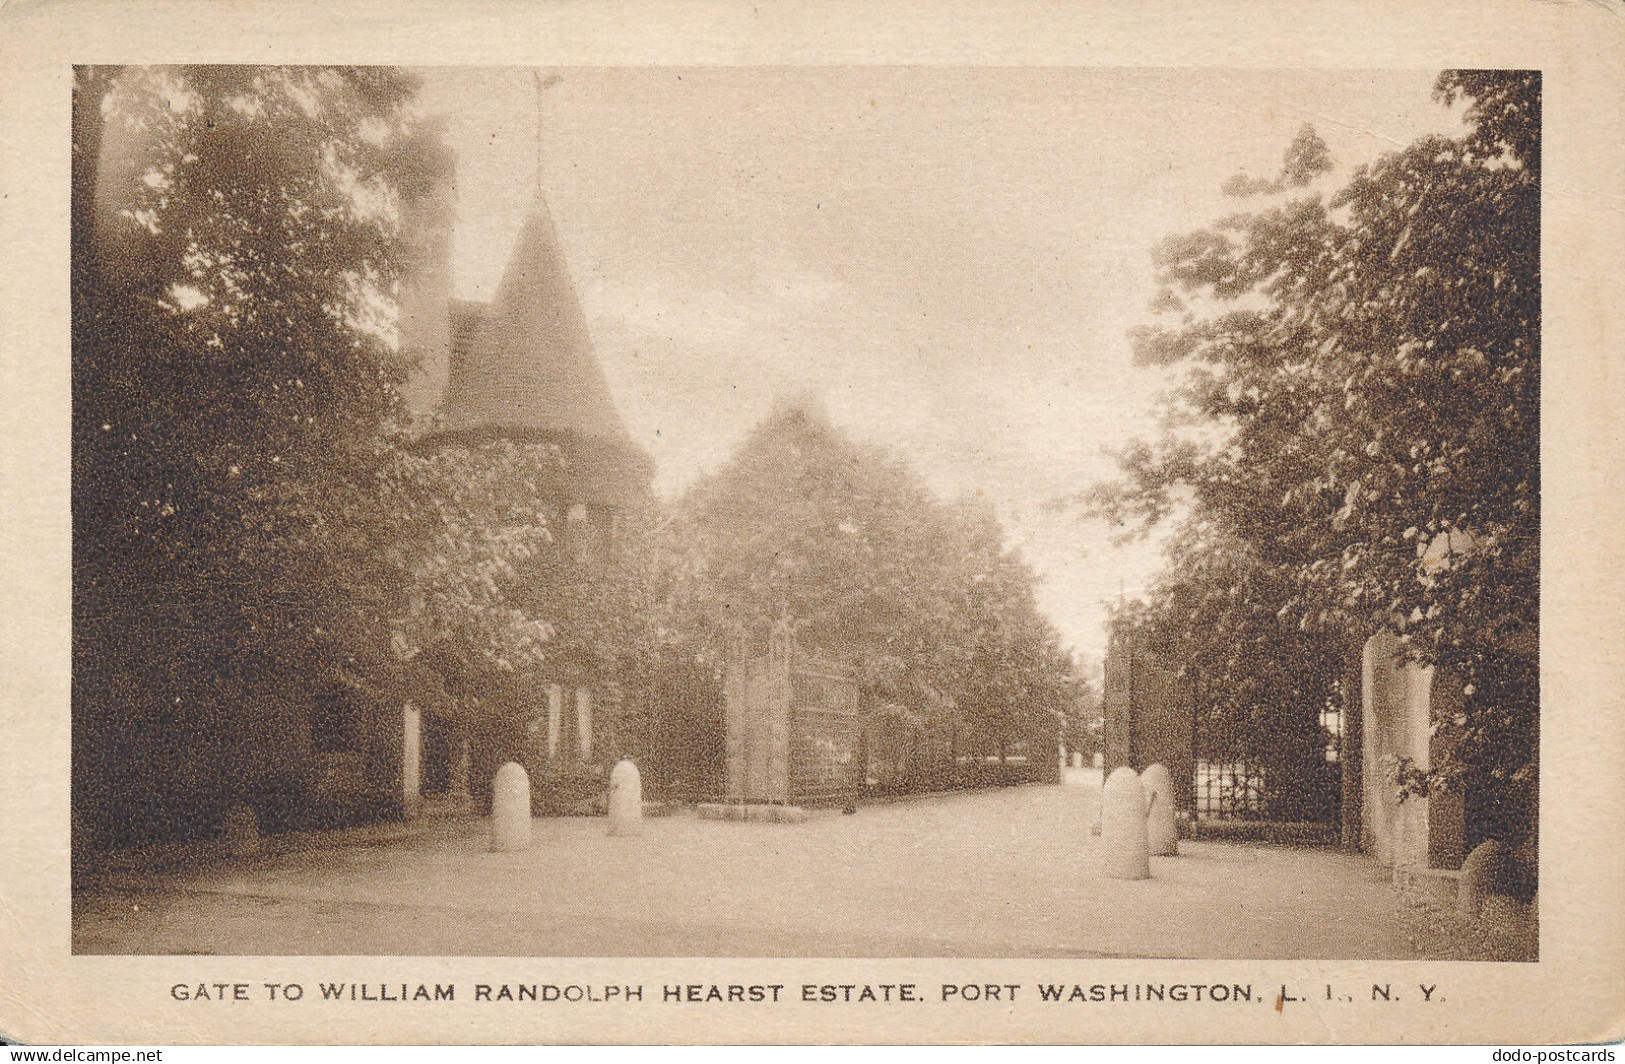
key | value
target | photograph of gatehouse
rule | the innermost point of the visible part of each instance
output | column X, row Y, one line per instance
column 872, row 512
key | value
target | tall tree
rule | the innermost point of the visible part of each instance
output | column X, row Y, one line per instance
column 1362, row 406
column 236, row 247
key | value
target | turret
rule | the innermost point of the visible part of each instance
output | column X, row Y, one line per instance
column 524, row 366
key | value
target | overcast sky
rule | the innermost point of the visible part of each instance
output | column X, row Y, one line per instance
column 949, row 257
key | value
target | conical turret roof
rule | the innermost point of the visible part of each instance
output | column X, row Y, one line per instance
column 528, row 365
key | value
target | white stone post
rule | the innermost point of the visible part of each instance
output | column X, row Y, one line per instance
column 625, row 799
column 1123, row 838
column 411, row 758
column 510, row 809
column 1161, row 825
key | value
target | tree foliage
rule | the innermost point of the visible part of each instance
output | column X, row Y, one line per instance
column 1360, row 413
column 236, row 448
column 471, row 527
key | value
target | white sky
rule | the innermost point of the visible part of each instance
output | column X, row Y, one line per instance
column 950, row 257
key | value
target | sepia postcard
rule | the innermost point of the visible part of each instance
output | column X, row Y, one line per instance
column 790, row 523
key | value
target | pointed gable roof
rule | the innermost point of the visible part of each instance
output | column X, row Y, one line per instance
column 528, row 365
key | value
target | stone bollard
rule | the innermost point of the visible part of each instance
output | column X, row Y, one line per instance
column 1161, row 822
column 1122, row 834
column 625, row 799
column 1482, row 874
column 241, row 831
column 510, row 809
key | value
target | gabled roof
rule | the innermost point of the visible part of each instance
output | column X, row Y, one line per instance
column 527, row 364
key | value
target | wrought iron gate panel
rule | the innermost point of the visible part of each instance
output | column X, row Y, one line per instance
column 1229, row 790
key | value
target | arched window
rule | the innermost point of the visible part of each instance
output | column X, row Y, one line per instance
column 584, row 722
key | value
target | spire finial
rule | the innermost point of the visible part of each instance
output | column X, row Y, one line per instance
column 542, row 85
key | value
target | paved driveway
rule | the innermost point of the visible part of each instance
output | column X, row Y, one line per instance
column 1003, row 873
